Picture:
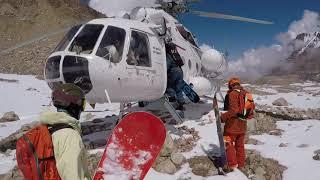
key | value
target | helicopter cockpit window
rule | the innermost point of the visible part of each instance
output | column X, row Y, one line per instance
column 139, row 50
column 186, row 35
column 52, row 70
column 86, row 39
column 67, row 38
column 111, row 46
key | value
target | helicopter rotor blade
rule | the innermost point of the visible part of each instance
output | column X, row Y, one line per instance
column 229, row 17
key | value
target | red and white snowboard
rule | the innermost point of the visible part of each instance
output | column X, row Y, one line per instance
column 132, row 147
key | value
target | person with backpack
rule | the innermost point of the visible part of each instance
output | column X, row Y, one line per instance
column 240, row 107
column 54, row 149
column 175, row 75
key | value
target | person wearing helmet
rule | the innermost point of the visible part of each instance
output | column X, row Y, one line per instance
column 69, row 150
column 235, row 128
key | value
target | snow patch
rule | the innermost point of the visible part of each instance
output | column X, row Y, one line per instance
column 296, row 157
column 301, row 101
column 7, row 162
column 306, row 84
column 114, row 164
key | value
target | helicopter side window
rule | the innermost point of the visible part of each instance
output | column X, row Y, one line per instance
column 186, row 35
column 67, row 38
column 111, row 46
column 86, row 39
column 139, row 50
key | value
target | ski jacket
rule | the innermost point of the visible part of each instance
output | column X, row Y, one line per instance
column 69, row 150
column 233, row 124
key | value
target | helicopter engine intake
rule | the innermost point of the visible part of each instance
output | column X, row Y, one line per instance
column 201, row 85
column 213, row 61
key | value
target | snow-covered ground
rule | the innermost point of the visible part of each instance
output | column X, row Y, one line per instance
column 208, row 137
column 28, row 97
column 26, row 103
column 185, row 173
column 300, row 100
column 7, row 162
column 303, row 98
column 301, row 139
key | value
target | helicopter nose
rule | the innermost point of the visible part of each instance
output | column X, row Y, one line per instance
column 74, row 69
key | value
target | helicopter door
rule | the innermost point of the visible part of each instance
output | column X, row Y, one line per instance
column 108, row 66
column 144, row 67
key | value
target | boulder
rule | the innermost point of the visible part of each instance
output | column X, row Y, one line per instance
column 10, row 141
column 316, row 157
column 254, row 142
column 280, row 102
column 251, row 125
column 260, row 168
column 260, row 171
column 283, row 145
column 276, row 132
column 31, row 89
column 166, row 166
column 202, row 166
column 168, row 146
column 303, row 146
column 177, row 158
column 9, row 117
column 317, row 151
column 258, row 177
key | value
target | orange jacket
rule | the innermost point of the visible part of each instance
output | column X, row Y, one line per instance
column 233, row 125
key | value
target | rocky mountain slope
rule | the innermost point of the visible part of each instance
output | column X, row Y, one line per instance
column 24, row 20
column 308, row 41
column 304, row 60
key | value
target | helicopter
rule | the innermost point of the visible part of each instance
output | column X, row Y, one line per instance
column 123, row 59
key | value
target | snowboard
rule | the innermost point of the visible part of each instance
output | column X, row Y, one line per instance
column 223, row 156
column 190, row 93
column 132, row 147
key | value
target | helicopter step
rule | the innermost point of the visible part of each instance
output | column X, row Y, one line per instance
column 161, row 108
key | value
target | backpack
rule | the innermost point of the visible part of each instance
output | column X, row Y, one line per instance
column 172, row 50
column 35, row 155
column 246, row 104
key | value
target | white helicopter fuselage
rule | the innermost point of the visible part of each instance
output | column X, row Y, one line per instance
column 133, row 70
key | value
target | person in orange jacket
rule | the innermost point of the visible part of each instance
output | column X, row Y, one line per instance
column 235, row 128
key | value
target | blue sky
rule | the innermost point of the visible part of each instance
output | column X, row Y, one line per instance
column 236, row 37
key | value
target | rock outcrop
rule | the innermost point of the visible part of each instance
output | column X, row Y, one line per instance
column 9, row 117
